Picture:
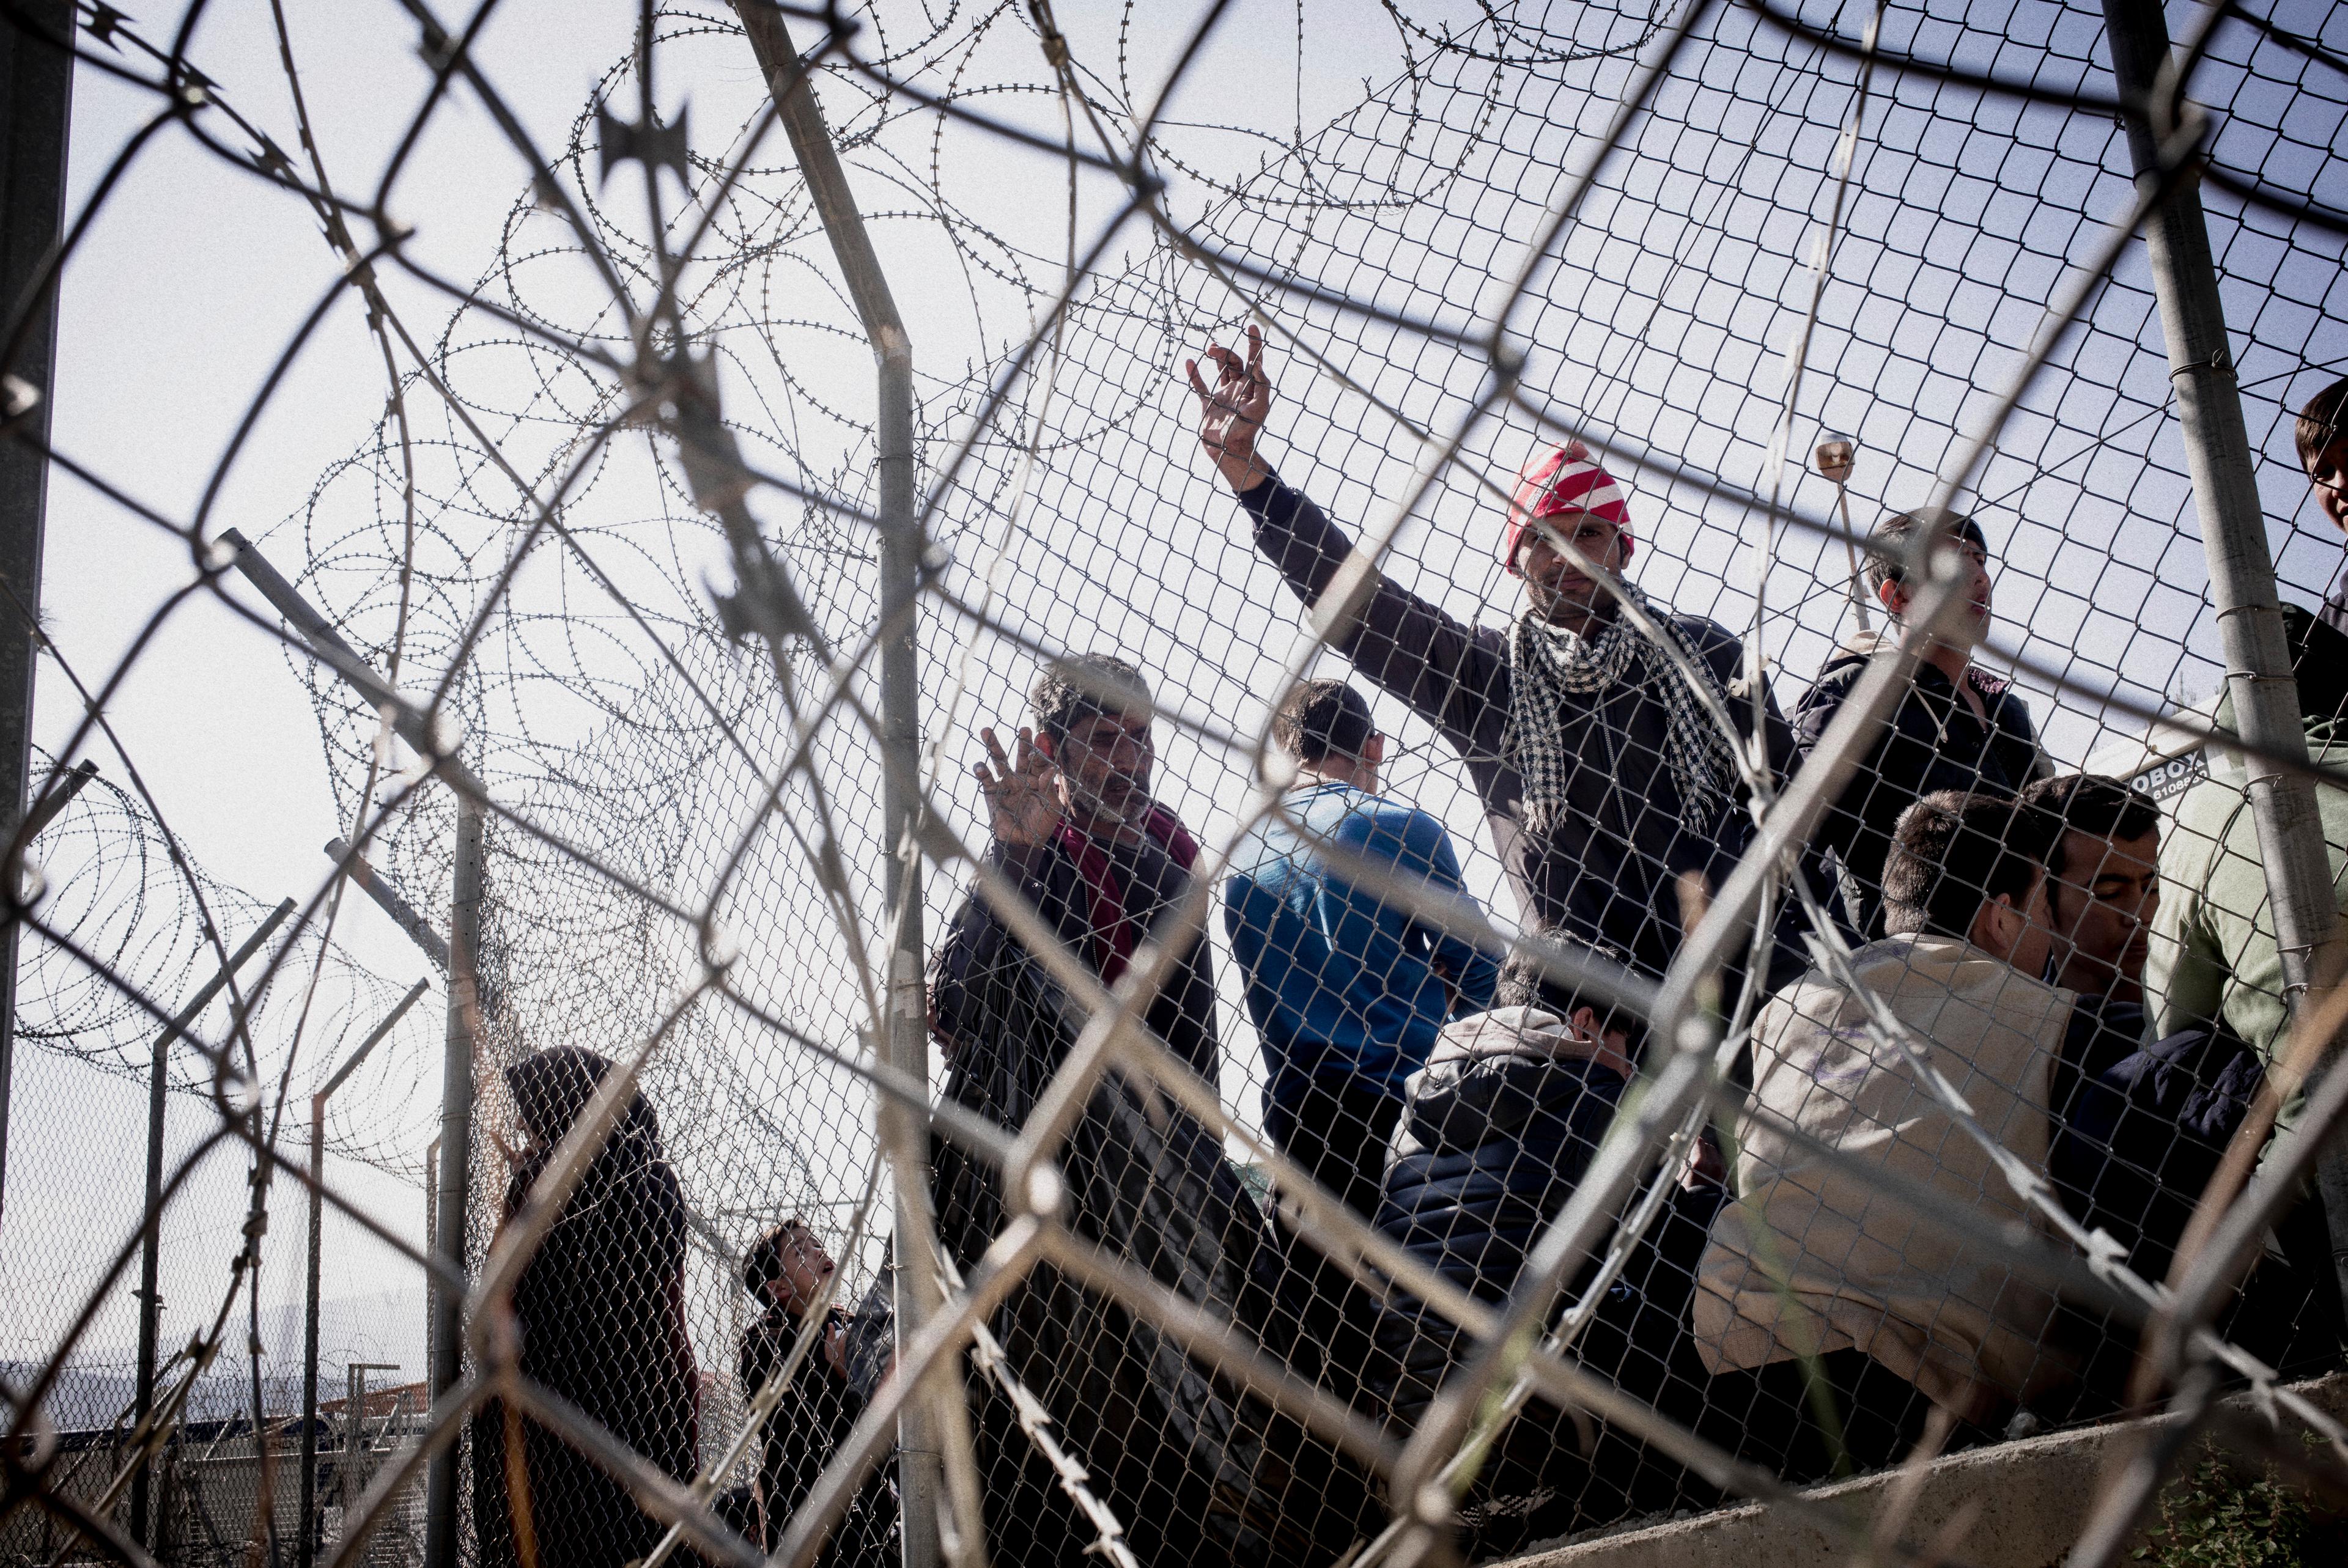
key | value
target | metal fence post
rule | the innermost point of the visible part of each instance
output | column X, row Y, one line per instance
column 36, row 78
column 2242, row 567
column 905, row 1044
column 150, row 1259
column 455, row 1193
column 386, row 898
column 306, row 1553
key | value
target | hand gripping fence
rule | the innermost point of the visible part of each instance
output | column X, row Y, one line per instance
column 1044, row 951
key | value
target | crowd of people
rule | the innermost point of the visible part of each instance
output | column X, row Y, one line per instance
column 1823, row 1290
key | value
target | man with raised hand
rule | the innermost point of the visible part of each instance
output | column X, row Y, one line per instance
column 1604, row 778
column 1076, row 827
column 1196, row 1470
column 1956, row 728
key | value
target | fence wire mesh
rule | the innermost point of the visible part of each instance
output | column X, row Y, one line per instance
column 1542, row 782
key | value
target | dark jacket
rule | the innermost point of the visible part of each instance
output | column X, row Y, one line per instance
column 2140, row 1128
column 817, row 1412
column 1932, row 742
column 1198, row 1472
column 1152, row 878
column 1495, row 1133
column 1609, row 870
column 600, row 1308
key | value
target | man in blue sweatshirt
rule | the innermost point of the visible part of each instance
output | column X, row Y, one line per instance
column 1354, row 936
column 1352, row 926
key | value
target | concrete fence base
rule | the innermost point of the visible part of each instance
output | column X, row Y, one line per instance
column 2016, row 1506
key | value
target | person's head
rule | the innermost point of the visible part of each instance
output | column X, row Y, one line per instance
column 1973, row 866
column 787, row 1266
column 2323, row 438
column 1326, row 726
column 552, row 1090
column 1092, row 719
column 1896, row 588
column 1563, row 491
column 1525, row 981
column 2103, row 880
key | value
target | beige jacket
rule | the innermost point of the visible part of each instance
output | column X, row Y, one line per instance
column 1860, row 1269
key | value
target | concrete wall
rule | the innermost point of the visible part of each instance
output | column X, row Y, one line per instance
column 2017, row 1505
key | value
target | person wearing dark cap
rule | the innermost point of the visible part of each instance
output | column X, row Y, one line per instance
column 1957, row 728
column 1605, row 779
column 2322, row 437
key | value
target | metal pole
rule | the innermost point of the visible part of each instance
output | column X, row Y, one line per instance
column 455, row 1193
column 327, row 646
column 36, row 103
column 150, row 1261
column 906, row 1038
column 37, row 820
column 306, row 1553
column 2241, row 570
column 350, row 1468
column 387, row 899
column 431, row 1218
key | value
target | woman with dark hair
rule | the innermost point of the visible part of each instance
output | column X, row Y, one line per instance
column 600, row 1313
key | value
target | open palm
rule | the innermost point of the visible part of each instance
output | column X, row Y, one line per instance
column 1232, row 411
column 1024, row 800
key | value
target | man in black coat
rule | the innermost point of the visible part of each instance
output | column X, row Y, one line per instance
column 1604, row 776
column 2140, row 1126
column 1958, row 727
column 1076, row 827
column 1497, row 1132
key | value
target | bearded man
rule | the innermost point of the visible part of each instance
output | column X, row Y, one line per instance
column 1076, row 826
column 1604, row 779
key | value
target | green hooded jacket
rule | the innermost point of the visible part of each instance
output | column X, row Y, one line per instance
column 2215, row 958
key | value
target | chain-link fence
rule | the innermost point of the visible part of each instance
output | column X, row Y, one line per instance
column 1301, row 785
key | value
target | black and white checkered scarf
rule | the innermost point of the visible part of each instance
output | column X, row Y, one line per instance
column 1552, row 667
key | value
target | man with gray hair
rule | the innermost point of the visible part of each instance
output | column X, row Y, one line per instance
column 1076, row 827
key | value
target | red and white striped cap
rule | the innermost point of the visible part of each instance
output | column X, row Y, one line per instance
column 1557, row 480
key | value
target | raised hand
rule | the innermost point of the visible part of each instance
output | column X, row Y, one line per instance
column 1025, row 798
column 1232, row 411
